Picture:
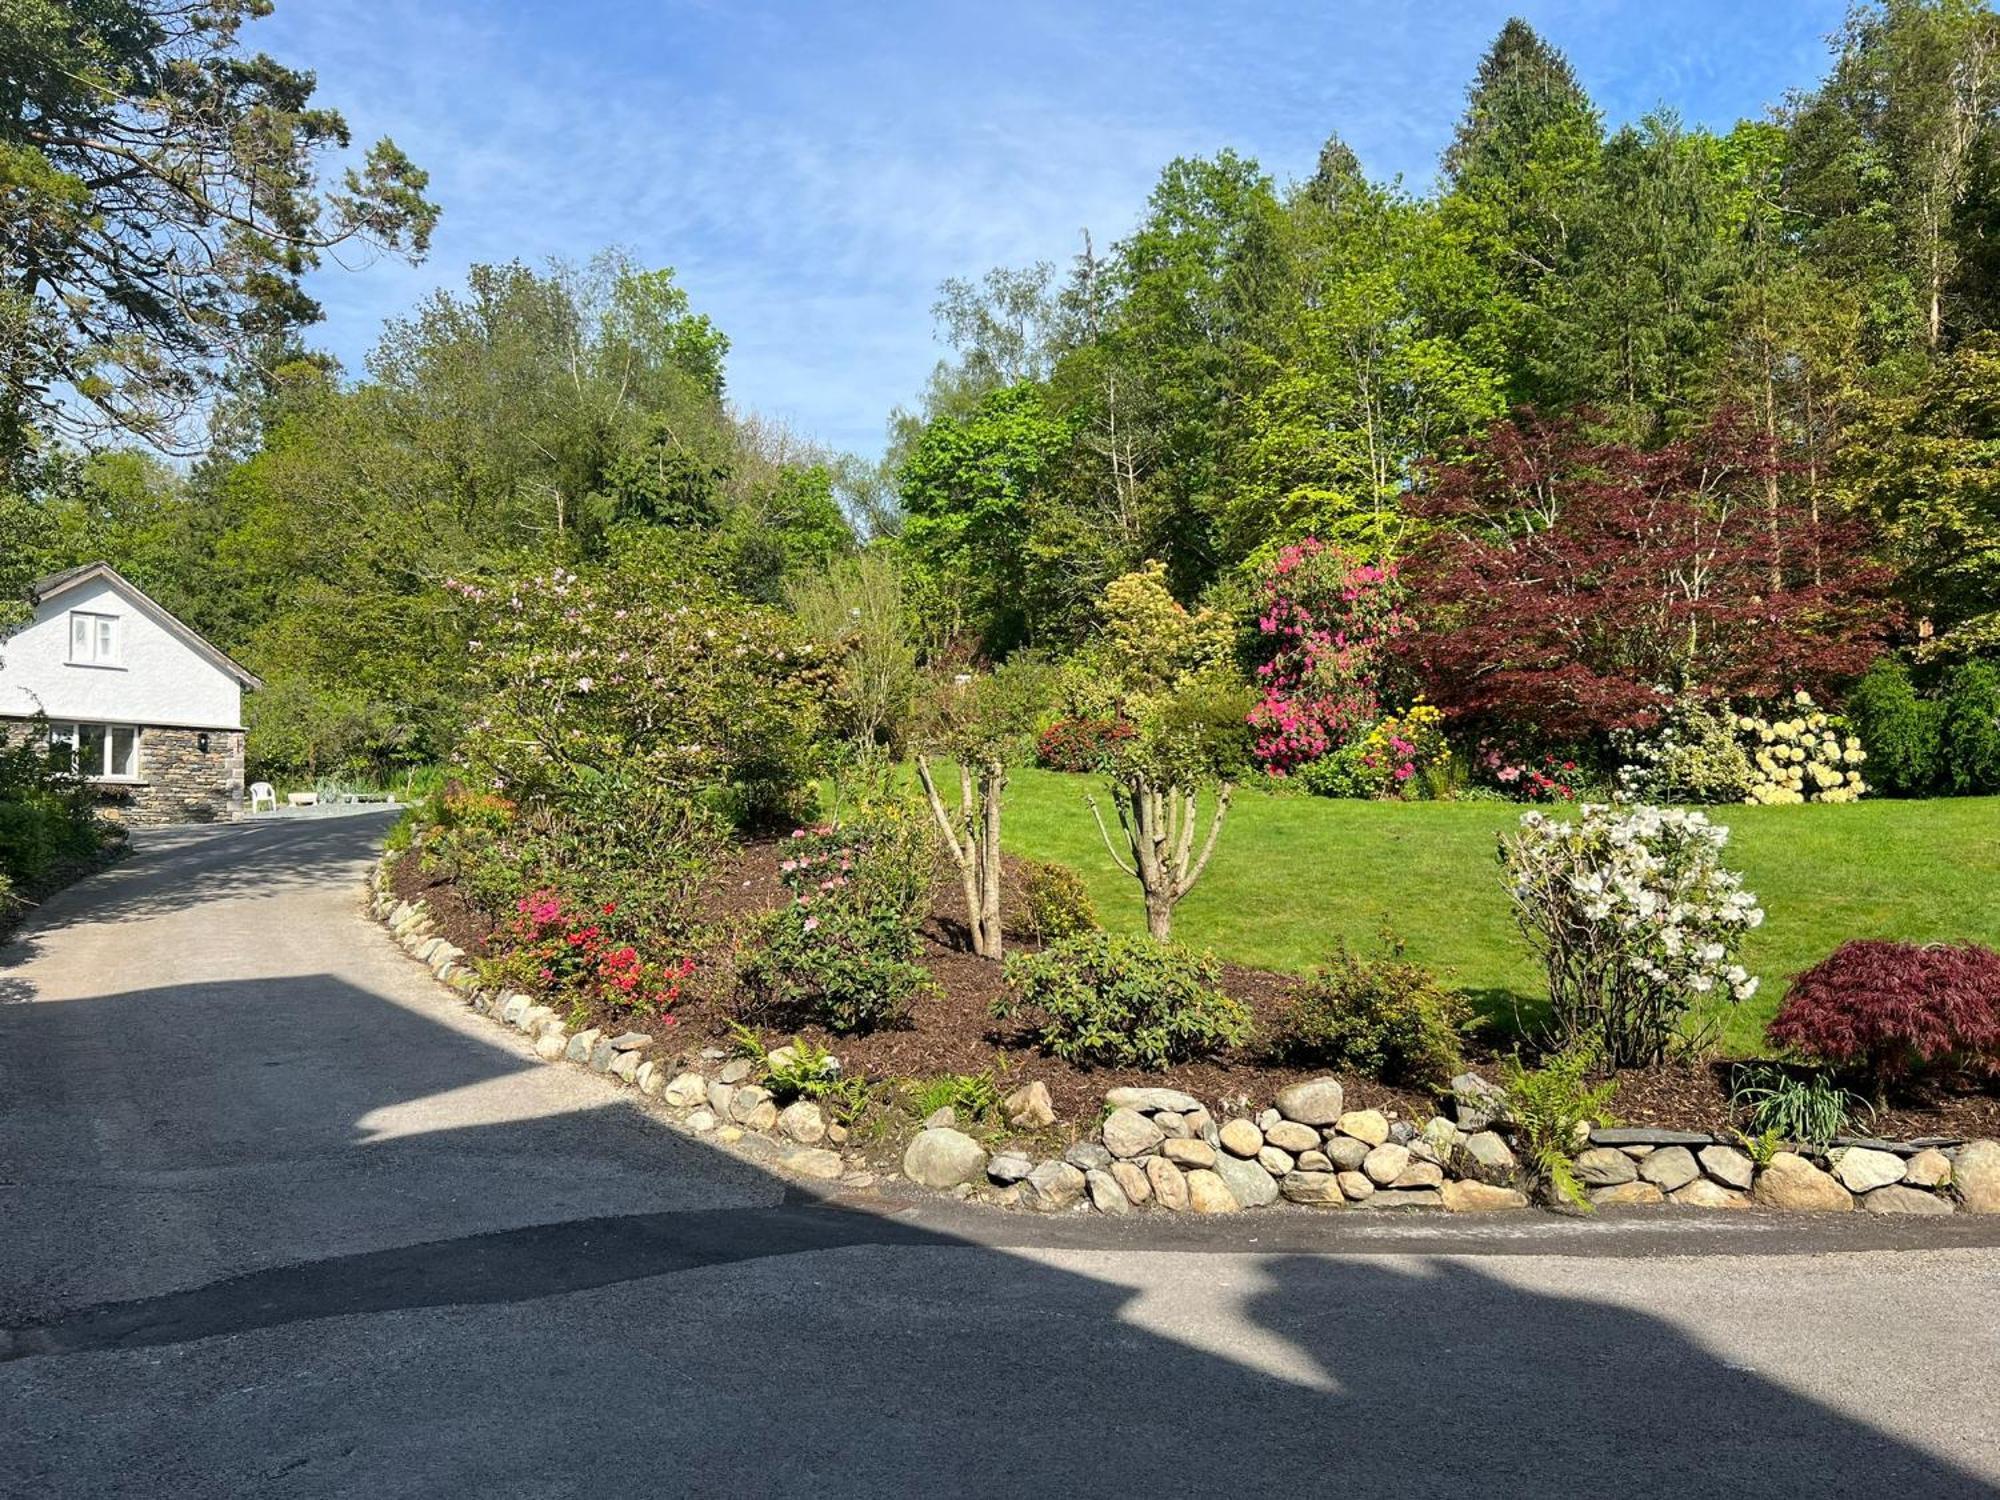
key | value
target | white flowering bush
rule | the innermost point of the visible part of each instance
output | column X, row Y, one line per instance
column 1694, row 756
column 1804, row 758
column 1635, row 919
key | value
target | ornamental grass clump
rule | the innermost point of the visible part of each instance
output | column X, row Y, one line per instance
column 1636, row 922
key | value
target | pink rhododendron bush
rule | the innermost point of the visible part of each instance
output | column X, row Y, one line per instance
column 1322, row 617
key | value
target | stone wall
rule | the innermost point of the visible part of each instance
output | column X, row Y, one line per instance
column 179, row 782
column 1159, row 1149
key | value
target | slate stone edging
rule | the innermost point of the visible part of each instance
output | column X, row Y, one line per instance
column 1162, row 1149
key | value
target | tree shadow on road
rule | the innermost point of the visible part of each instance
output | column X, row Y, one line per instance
column 377, row 1230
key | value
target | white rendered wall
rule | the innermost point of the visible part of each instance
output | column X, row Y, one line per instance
column 159, row 678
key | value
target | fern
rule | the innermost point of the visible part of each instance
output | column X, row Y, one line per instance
column 1551, row 1106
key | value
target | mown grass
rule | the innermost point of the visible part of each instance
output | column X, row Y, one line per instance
column 1293, row 876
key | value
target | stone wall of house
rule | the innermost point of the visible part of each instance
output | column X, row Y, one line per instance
column 180, row 782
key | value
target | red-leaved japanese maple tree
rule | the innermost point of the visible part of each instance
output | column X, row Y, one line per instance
column 1572, row 586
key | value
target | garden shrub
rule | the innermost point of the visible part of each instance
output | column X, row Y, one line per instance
column 1346, row 772
column 1322, row 619
column 836, row 965
column 1803, row 758
column 564, row 951
column 1409, row 753
column 1387, row 1019
column 843, row 952
column 1123, row 1001
column 1081, row 744
column 1899, row 730
column 48, row 816
column 1970, row 729
column 626, row 674
column 1152, row 643
column 1634, row 919
column 1524, row 775
column 1552, row 1108
column 648, row 849
column 1889, row 1011
column 1694, row 756
column 1058, row 902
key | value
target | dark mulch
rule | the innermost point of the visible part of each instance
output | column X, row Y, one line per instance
column 454, row 917
column 956, row 1032
column 1695, row 1096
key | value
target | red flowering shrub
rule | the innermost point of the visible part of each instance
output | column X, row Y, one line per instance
column 1573, row 587
column 559, row 950
column 1323, row 617
column 1081, row 744
column 1552, row 776
column 1892, row 1009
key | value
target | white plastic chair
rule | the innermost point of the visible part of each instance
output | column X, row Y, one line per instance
column 262, row 793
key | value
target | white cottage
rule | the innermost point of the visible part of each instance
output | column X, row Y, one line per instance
column 153, row 712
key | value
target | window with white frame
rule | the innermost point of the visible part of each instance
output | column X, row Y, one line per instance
column 102, row 752
column 93, row 639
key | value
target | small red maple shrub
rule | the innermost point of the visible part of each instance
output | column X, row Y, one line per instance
column 1894, row 1009
column 1572, row 586
column 1081, row 744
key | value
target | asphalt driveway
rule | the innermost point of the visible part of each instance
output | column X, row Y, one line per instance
column 277, row 1217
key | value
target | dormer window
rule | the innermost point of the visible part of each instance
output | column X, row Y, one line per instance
column 93, row 639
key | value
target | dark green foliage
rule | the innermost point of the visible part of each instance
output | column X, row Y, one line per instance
column 1970, row 729
column 48, row 824
column 1340, row 774
column 837, row 966
column 1386, row 1019
column 1123, row 1001
column 1898, row 730
column 843, row 954
column 1058, row 903
column 164, row 206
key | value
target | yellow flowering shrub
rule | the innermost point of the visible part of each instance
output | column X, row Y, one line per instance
column 1409, row 752
column 1804, row 758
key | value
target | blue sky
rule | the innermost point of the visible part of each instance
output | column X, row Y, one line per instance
column 812, row 171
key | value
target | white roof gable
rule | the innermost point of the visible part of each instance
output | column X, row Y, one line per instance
column 161, row 673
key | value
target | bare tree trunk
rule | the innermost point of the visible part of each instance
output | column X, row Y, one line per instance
column 1158, row 824
column 973, row 837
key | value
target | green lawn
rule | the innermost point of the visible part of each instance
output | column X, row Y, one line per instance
column 1293, row 875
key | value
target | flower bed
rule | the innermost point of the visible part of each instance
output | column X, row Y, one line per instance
column 1198, row 1140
